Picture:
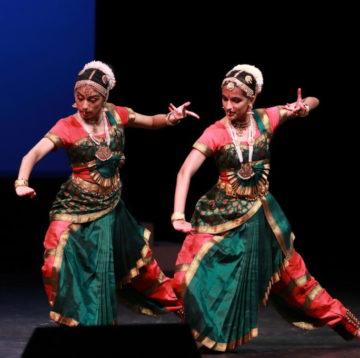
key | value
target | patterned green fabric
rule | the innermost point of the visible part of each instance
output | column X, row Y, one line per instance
column 72, row 199
column 216, row 207
column 222, row 298
column 96, row 258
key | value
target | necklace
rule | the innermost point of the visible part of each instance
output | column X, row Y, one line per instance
column 245, row 172
column 103, row 152
column 240, row 126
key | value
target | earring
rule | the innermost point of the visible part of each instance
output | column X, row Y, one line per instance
column 250, row 109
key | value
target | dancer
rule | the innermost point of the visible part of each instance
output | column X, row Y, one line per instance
column 239, row 246
column 95, row 251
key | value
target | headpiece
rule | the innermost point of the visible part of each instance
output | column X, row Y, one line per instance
column 98, row 75
column 246, row 77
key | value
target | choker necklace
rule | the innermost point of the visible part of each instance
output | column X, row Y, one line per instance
column 103, row 152
column 245, row 172
column 240, row 126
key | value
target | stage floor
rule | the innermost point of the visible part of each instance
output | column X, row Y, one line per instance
column 23, row 307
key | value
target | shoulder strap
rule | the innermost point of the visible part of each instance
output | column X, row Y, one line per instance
column 262, row 120
column 114, row 116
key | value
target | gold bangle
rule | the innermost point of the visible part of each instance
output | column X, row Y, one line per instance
column 177, row 216
column 21, row 182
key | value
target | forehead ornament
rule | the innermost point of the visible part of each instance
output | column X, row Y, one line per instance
column 230, row 86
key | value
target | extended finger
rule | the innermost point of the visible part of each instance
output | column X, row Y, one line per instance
column 299, row 96
column 193, row 114
column 186, row 104
column 172, row 107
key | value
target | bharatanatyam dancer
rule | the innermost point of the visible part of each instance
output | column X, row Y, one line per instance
column 95, row 251
column 239, row 248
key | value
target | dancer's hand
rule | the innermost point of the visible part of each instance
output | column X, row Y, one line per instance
column 25, row 191
column 298, row 108
column 183, row 226
column 178, row 113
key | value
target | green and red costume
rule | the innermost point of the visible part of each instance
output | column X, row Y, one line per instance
column 95, row 251
column 242, row 251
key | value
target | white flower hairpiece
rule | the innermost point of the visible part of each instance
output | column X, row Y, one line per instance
column 253, row 71
column 103, row 67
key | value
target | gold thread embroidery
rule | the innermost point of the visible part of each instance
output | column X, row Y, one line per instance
column 274, row 226
column 196, row 261
column 49, row 252
column 182, row 267
column 222, row 347
column 203, row 148
column 55, row 139
column 275, row 278
column 110, row 107
column 59, row 256
column 312, row 295
column 131, row 115
column 94, row 187
column 216, row 229
column 85, row 217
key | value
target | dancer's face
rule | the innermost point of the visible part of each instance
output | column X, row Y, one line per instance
column 89, row 103
column 235, row 103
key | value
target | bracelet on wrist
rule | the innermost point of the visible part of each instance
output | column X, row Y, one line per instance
column 169, row 122
column 177, row 216
column 21, row 182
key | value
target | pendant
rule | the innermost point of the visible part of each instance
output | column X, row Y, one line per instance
column 246, row 171
column 103, row 153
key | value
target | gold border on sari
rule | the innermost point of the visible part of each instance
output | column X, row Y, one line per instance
column 222, row 347
column 143, row 261
column 190, row 272
column 182, row 267
column 216, row 229
column 312, row 295
column 203, row 148
column 58, row 258
column 275, row 227
column 49, row 252
column 308, row 300
column 55, row 139
column 80, row 219
column 139, row 309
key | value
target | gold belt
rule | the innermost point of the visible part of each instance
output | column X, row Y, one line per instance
column 93, row 187
column 249, row 193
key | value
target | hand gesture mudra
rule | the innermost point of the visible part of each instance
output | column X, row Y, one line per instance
column 178, row 113
column 298, row 108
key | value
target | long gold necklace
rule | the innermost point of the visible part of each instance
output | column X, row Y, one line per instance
column 103, row 152
column 245, row 172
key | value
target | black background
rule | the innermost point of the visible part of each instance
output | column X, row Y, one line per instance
column 174, row 53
